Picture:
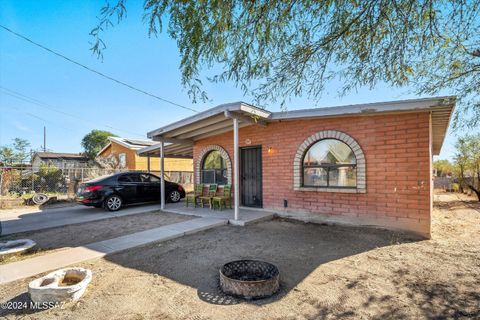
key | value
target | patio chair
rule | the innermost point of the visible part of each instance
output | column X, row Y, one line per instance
column 212, row 191
column 222, row 201
column 193, row 196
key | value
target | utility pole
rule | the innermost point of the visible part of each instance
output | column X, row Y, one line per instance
column 44, row 139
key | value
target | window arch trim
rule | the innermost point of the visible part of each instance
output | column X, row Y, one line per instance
column 329, row 134
column 201, row 157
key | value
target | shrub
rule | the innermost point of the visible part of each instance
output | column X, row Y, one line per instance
column 455, row 187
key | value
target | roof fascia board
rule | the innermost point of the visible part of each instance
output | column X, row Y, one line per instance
column 196, row 117
column 235, row 106
column 104, row 148
column 262, row 113
column 366, row 109
column 244, row 118
column 437, row 151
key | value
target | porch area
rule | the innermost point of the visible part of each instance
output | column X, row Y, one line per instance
column 246, row 215
column 177, row 140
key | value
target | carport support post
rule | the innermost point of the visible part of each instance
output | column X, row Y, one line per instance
column 235, row 168
column 162, row 178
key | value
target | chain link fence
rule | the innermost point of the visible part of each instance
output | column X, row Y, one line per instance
column 24, row 180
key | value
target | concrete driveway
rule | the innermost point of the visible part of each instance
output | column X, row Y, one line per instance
column 14, row 221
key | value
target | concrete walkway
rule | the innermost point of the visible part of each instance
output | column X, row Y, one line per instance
column 14, row 221
column 30, row 267
column 246, row 215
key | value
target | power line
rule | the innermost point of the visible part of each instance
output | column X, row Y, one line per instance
column 97, row 72
column 39, row 118
column 39, row 103
column 42, row 119
column 44, row 105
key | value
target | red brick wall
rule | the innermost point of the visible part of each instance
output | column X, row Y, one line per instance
column 397, row 152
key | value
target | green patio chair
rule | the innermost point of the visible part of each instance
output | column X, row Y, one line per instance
column 193, row 196
column 212, row 191
column 222, row 201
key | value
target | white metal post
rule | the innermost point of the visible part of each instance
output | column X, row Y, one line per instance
column 162, row 178
column 235, row 168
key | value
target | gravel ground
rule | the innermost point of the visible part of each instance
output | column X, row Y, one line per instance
column 326, row 272
column 75, row 235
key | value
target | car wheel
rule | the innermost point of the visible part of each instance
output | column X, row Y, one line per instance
column 174, row 196
column 112, row 203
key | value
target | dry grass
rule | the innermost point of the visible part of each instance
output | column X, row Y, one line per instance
column 74, row 235
column 326, row 272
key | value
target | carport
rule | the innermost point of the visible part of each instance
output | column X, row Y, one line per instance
column 177, row 139
column 164, row 150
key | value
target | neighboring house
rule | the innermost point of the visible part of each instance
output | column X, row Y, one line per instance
column 124, row 151
column 59, row 160
column 366, row 164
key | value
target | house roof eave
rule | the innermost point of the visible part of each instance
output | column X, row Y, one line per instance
column 216, row 120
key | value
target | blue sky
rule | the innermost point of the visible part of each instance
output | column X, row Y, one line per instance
column 96, row 103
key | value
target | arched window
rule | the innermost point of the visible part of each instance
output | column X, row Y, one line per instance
column 329, row 163
column 214, row 168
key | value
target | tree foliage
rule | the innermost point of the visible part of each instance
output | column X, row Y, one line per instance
column 467, row 160
column 94, row 141
column 444, row 168
column 16, row 153
column 279, row 49
column 48, row 177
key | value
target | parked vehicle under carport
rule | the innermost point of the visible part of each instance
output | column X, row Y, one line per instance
column 114, row 191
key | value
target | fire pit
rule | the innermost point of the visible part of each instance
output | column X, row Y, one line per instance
column 249, row 279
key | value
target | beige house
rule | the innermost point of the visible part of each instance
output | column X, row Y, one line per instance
column 123, row 152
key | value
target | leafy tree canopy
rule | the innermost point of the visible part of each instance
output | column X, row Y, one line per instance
column 444, row 167
column 94, row 141
column 292, row 48
column 467, row 160
column 16, row 153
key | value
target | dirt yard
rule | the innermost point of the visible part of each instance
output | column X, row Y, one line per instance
column 80, row 234
column 326, row 272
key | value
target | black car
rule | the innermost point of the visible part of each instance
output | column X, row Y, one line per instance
column 114, row 191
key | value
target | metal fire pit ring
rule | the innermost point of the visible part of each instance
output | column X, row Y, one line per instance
column 249, row 279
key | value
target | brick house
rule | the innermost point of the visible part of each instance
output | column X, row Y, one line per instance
column 366, row 164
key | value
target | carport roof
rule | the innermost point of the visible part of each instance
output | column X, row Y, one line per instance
column 207, row 118
column 179, row 136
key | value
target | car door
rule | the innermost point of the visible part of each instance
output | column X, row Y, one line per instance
column 127, row 187
column 143, row 187
column 151, row 186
